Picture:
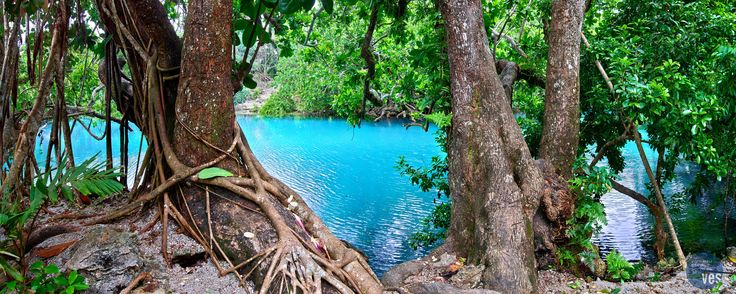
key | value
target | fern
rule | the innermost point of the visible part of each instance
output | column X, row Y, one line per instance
column 89, row 178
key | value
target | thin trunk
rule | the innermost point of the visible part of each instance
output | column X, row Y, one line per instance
column 660, row 198
column 562, row 95
column 27, row 135
column 66, row 132
column 494, row 182
column 366, row 52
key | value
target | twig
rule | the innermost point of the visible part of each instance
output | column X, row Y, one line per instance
column 134, row 282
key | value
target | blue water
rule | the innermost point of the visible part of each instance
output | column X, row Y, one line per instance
column 345, row 174
column 347, row 177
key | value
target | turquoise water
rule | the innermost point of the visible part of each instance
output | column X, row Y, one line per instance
column 347, row 176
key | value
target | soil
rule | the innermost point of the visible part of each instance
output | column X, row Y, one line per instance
column 447, row 272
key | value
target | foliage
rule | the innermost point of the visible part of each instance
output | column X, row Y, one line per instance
column 17, row 219
column 619, row 269
column 664, row 60
column 277, row 105
column 47, row 279
column 324, row 72
column 434, row 177
column 589, row 216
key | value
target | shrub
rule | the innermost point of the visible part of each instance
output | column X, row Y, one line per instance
column 619, row 268
column 278, row 105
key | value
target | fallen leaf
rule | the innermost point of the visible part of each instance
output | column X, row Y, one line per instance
column 54, row 250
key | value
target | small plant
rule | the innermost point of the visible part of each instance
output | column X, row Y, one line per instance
column 18, row 215
column 656, row 277
column 565, row 257
column 574, row 285
column 717, row 287
column 619, row 269
column 47, row 279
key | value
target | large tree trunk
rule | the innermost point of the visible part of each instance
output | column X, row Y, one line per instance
column 255, row 226
column 494, row 181
column 562, row 95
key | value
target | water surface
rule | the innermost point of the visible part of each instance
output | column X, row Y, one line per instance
column 347, row 177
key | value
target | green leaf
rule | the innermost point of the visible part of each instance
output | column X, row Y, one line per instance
column 236, row 39
column 3, row 252
column 249, row 83
column 213, row 172
column 269, row 3
column 11, row 270
column 289, row 6
column 247, row 7
column 240, row 24
column 307, row 4
column 51, row 269
column 328, row 5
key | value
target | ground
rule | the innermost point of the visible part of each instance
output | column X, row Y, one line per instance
column 443, row 273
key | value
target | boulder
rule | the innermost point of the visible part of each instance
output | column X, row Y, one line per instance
column 108, row 258
column 395, row 277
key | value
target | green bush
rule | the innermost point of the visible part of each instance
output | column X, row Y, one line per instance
column 278, row 105
column 619, row 269
column 241, row 96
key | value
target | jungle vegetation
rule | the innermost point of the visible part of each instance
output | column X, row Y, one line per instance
column 530, row 98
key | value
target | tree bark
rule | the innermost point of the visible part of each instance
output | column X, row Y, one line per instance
column 27, row 134
column 252, row 224
column 562, row 95
column 203, row 108
column 493, row 179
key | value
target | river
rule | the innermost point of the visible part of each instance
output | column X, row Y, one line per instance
column 348, row 176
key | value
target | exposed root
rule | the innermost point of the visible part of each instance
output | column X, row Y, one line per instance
column 306, row 256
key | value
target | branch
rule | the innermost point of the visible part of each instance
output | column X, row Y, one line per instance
column 635, row 195
column 75, row 111
column 511, row 41
column 523, row 74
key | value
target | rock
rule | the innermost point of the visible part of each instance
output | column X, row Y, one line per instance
column 185, row 251
column 468, row 276
column 108, row 258
column 395, row 276
column 443, row 288
column 445, row 260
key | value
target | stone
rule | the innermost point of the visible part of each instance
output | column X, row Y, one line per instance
column 445, row 260
column 468, row 276
column 395, row 276
column 108, row 258
column 444, row 288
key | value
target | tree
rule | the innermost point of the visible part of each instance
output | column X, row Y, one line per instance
column 494, row 182
column 199, row 167
column 559, row 144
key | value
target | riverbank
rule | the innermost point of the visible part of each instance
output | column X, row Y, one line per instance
column 266, row 89
column 253, row 104
column 446, row 274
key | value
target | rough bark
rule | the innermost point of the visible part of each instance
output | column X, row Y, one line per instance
column 202, row 106
column 494, row 181
column 562, row 95
column 250, row 221
column 27, row 134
